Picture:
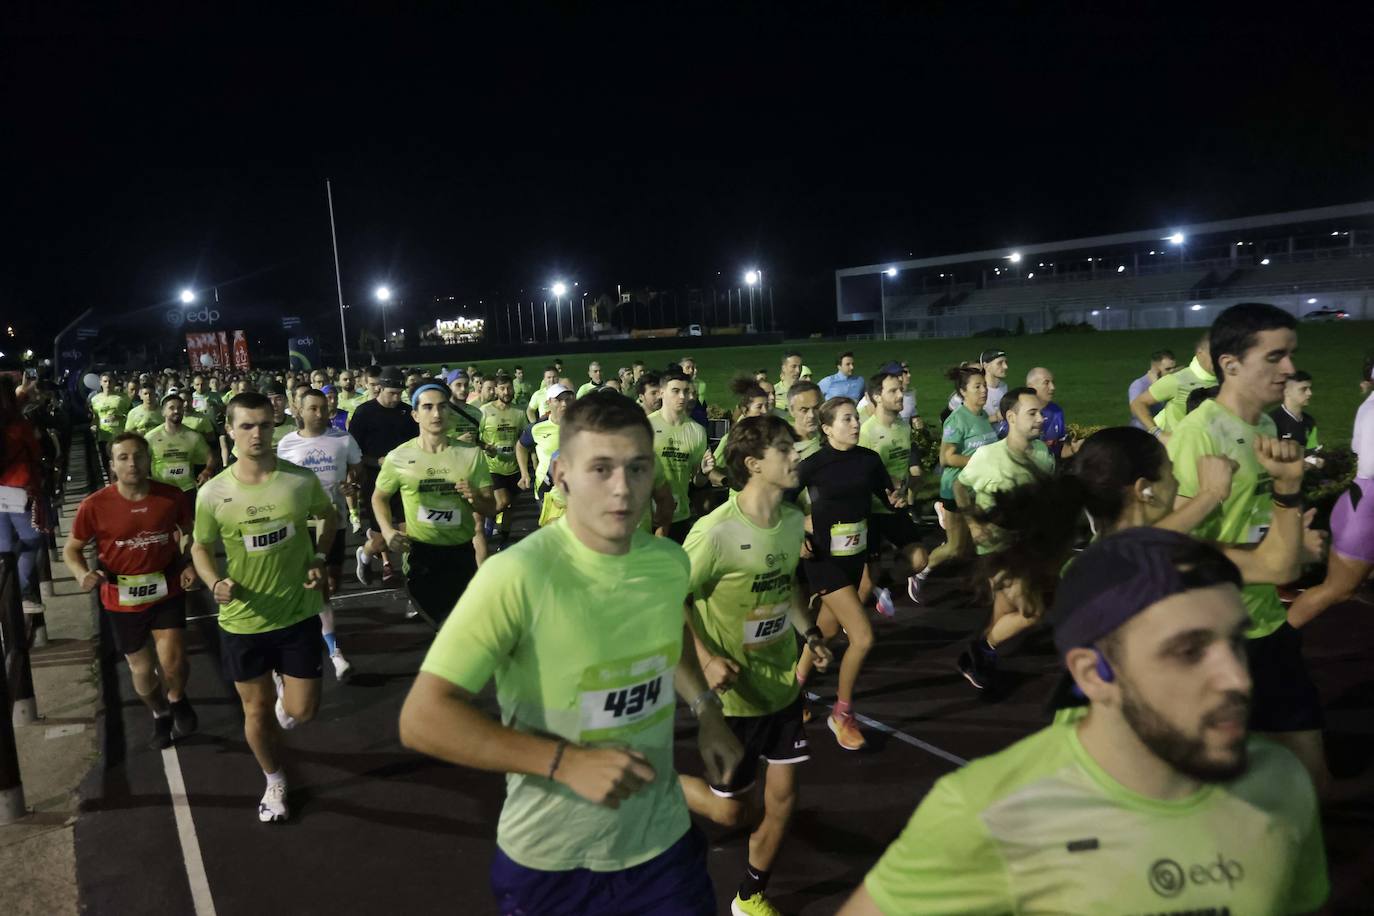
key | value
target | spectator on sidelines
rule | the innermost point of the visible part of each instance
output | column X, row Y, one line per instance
column 1162, row 363
column 23, row 506
column 844, row 383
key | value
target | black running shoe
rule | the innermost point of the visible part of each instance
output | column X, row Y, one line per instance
column 184, row 718
column 969, row 669
column 162, row 733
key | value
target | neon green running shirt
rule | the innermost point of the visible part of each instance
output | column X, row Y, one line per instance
column 680, row 447
column 435, row 512
column 1244, row 516
column 583, row 646
column 267, row 543
column 501, row 429
column 1041, row 828
column 175, row 455
column 742, row 584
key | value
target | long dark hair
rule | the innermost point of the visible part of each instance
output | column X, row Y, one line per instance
column 1040, row 522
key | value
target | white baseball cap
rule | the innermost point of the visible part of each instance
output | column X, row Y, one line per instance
column 555, row 390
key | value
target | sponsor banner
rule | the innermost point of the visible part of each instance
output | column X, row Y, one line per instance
column 304, row 352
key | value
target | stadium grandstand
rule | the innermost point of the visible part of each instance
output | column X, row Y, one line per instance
column 1317, row 263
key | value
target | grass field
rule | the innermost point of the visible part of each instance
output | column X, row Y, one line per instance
column 1092, row 370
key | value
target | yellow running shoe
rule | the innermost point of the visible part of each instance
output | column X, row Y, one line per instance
column 756, row 905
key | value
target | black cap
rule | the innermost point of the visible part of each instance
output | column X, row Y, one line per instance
column 272, row 388
column 392, row 379
column 988, row 356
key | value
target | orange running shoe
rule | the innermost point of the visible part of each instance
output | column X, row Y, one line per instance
column 847, row 733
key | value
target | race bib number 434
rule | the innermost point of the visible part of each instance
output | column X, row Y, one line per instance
column 624, row 697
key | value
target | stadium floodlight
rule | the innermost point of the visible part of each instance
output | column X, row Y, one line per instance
column 891, row 271
column 751, row 277
column 1197, row 307
column 1014, row 257
column 1177, row 238
column 1031, row 275
column 1312, row 301
column 1121, row 268
column 187, row 297
column 383, row 293
column 1095, row 313
column 1264, row 263
column 560, row 289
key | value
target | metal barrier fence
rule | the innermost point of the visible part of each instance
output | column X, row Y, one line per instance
column 16, row 688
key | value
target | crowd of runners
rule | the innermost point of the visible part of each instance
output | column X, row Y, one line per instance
column 1188, row 731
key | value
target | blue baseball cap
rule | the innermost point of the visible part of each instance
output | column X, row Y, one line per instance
column 454, row 375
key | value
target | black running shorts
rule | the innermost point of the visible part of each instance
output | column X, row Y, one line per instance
column 132, row 628
column 1283, row 698
column 437, row 575
column 295, row 651
column 779, row 738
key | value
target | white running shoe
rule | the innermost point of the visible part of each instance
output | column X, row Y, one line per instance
column 885, row 605
column 356, row 522
column 272, row 808
column 364, row 570
column 342, row 669
column 284, row 720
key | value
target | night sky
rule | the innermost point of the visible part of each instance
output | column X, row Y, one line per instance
column 479, row 156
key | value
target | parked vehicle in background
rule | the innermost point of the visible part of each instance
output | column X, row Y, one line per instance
column 1326, row 314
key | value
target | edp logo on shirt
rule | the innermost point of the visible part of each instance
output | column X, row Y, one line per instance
column 1169, row 879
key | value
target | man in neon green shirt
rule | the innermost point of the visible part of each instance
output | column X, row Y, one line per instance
column 746, row 607
column 178, row 452
column 1252, row 348
column 270, row 595
column 110, row 407
column 689, row 369
column 521, row 390
column 680, row 443
column 346, row 390
column 443, row 484
column 500, row 429
column 146, row 414
column 536, row 408
column 993, row 469
column 586, row 690
column 1172, row 390
column 1152, row 799
column 803, row 405
column 788, row 374
column 593, row 380
column 890, row 436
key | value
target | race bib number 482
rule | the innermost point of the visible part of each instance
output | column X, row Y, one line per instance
column 624, row 697
column 139, row 590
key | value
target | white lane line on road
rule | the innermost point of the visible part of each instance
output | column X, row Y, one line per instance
column 186, row 831
column 901, row 736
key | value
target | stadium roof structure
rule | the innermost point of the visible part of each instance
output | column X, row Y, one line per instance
column 1324, row 248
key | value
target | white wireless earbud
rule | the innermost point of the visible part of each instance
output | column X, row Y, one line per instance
column 1148, row 493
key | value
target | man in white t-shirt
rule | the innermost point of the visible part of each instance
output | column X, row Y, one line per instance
column 334, row 457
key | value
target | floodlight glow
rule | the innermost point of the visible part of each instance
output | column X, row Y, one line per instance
column 560, row 288
column 751, row 277
column 187, row 297
column 891, row 271
column 1197, row 308
column 383, row 294
column 1031, row 275
column 1014, row 257
column 1096, row 313
column 1264, row 263
column 1311, row 301
column 1177, row 238
column 1121, row 269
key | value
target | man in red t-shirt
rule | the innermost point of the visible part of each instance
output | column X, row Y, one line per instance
column 141, row 527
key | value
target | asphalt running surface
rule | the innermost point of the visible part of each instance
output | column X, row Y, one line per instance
column 375, row 828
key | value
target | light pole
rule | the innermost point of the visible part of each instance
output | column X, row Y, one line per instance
column 882, row 300
column 383, row 296
column 751, row 279
column 187, row 297
column 559, row 289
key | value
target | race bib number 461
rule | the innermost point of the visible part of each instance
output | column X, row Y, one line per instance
column 624, row 697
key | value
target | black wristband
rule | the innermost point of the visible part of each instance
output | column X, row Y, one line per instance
column 1287, row 500
column 557, row 756
column 814, row 633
